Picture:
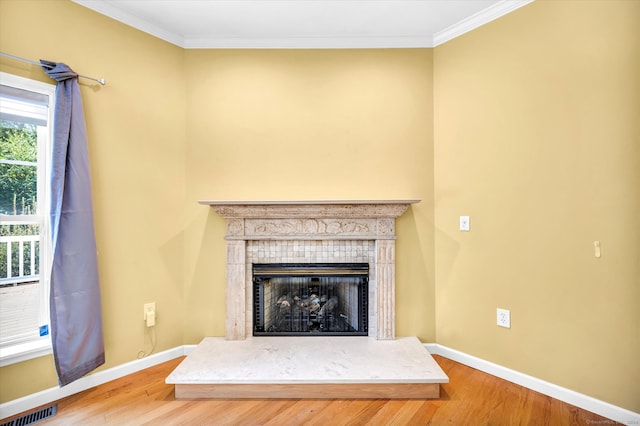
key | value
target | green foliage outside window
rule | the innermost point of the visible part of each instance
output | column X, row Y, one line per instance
column 18, row 182
column 18, row 190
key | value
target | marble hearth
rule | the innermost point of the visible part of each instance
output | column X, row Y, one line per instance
column 374, row 366
column 308, row 367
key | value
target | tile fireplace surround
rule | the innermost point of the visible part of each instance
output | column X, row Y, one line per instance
column 360, row 231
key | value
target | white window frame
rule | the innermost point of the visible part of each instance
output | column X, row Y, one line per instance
column 38, row 346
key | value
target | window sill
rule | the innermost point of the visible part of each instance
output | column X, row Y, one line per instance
column 25, row 351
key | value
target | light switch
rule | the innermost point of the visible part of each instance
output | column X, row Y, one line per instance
column 596, row 248
column 464, row 224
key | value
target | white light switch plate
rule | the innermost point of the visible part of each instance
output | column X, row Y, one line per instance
column 464, row 224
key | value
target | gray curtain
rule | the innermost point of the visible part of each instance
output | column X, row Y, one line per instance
column 76, row 311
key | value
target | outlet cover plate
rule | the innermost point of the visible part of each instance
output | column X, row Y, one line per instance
column 504, row 318
column 148, row 307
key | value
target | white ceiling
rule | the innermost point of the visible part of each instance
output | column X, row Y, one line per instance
column 197, row 24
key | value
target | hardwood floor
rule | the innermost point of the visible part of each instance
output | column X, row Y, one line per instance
column 471, row 398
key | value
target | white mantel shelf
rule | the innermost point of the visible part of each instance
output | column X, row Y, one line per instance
column 303, row 202
column 316, row 226
column 310, row 208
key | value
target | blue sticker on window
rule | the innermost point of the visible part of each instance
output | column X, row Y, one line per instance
column 44, row 330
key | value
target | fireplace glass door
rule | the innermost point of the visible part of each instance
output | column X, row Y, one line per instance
column 310, row 299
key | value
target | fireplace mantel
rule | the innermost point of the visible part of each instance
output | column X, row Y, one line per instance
column 310, row 222
column 310, row 208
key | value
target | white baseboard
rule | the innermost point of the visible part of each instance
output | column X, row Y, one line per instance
column 585, row 402
column 47, row 396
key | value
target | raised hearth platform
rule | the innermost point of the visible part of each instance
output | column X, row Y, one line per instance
column 308, row 367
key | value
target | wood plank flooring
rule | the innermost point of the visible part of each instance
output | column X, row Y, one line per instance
column 471, row 398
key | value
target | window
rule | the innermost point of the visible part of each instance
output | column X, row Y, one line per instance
column 26, row 108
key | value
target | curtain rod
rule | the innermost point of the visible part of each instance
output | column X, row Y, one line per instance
column 29, row 61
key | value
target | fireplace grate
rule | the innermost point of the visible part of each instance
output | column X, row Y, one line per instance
column 310, row 299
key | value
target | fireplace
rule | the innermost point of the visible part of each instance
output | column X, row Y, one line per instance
column 328, row 299
column 335, row 261
column 311, row 232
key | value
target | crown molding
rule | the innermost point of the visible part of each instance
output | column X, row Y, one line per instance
column 477, row 20
column 107, row 9
column 296, row 42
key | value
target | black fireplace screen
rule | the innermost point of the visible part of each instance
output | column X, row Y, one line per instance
column 310, row 299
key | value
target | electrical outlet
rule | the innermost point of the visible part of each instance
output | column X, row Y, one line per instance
column 150, row 314
column 504, row 318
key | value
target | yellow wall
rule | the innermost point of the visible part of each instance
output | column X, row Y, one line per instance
column 295, row 124
column 136, row 144
column 349, row 124
column 534, row 134
column 537, row 138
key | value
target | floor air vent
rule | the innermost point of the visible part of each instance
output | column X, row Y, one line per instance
column 34, row 417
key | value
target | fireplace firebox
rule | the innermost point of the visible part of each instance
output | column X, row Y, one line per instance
column 294, row 299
